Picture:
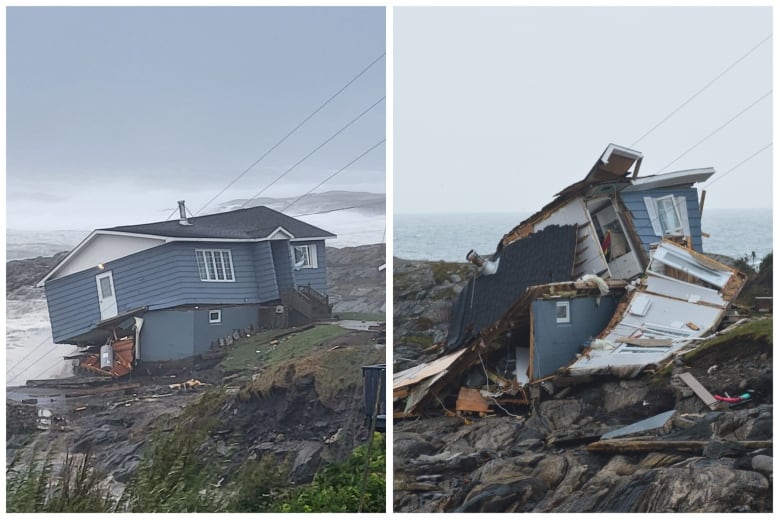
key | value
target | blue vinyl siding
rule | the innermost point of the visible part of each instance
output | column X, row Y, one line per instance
column 158, row 278
column 73, row 304
column 282, row 263
column 317, row 278
column 265, row 272
column 178, row 334
column 635, row 203
column 557, row 344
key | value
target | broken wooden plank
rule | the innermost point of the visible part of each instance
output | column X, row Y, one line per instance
column 423, row 371
column 470, row 400
column 634, row 445
column 699, row 390
column 646, row 342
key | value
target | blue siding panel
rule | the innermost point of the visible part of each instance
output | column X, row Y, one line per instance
column 317, row 278
column 282, row 263
column 73, row 304
column 163, row 277
column 178, row 334
column 265, row 272
column 167, row 335
column 238, row 317
column 635, row 203
column 557, row 344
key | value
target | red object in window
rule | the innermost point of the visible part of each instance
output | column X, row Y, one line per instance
column 606, row 243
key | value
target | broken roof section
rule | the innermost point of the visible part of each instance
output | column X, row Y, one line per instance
column 607, row 229
column 544, row 257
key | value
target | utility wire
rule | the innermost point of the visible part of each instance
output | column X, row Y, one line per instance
column 8, row 371
column 291, row 132
column 721, row 127
column 376, row 202
column 743, row 161
column 353, row 161
column 705, row 87
column 320, row 146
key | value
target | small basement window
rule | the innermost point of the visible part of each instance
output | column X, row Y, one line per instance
column 305, row 257
column 562, row 312
column 215, row 316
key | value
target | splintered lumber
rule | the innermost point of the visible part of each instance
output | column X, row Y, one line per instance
column 699, row 390
column 646, row 342
column 470, row 400
column 638, row 445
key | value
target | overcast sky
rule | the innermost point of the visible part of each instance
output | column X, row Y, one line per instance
column 114, row 114
column 498, row 109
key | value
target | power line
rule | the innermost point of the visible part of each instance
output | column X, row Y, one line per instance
column 353, row 161
column 8, row 371
column 291, row 132
column 743, row 161
column 344, row 208
column 320, row 146
column 705, row 87
column 48, row 368
column 721, row 127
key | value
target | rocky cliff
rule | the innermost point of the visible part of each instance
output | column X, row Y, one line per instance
column 542, row 457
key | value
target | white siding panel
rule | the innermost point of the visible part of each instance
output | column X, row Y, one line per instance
column 105, row 248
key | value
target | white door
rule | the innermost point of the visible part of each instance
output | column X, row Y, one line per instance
column 106, row 295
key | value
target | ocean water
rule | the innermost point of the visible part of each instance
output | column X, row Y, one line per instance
column 733, row 232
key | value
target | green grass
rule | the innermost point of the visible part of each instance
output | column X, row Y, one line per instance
column 244, row 355
column 758, row 331
column 362, row 316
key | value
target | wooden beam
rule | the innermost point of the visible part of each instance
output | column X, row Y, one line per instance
column 640, row 445
column 699, row 390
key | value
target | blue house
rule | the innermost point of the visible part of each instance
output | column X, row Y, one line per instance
column 179, row 288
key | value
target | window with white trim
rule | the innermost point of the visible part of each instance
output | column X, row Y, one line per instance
column 305, row 257
column 562, row 312
column 215, row 316
column 215, row 265
column 668, row 215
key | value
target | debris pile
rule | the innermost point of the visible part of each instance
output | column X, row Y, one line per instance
column 585, row 368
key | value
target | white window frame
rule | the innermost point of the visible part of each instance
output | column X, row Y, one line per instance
column 218, row 319
column 563, row 305
column 677, row 205
column 310, row 254
column 215, row 265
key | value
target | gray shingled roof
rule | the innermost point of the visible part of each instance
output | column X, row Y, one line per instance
column 546, row 256
column 249, row 223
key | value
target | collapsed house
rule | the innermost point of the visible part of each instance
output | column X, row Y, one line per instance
column 608, row 278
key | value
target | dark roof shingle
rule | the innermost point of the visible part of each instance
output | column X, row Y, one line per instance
column 241, row 224
column 544, row 257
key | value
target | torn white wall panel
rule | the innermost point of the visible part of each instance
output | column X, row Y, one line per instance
column 664, row 309
column 660, row 284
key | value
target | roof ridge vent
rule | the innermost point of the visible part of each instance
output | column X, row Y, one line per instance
column 183, row 215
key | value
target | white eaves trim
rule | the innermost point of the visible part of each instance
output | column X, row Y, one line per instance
column 620, row 150
column 278, row 234
column 665, row 180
